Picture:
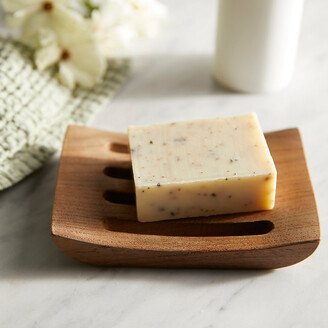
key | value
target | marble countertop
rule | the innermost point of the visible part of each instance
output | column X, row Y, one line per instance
column 40, row 287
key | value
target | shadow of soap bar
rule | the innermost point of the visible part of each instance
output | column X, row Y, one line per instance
column 201, row 168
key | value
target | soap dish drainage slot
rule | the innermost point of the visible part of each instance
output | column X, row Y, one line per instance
column 118, row 197
column 189, row 229
column 119, row 172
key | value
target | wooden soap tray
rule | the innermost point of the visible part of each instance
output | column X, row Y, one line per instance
column 94, row 215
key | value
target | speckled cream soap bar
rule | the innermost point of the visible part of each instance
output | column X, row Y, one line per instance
column 201, row 168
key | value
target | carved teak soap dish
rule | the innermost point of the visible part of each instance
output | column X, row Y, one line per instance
column 94, row 215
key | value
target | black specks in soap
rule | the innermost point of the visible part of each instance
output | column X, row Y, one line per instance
column 213, row 194
column 158, row 184
column 151, row 142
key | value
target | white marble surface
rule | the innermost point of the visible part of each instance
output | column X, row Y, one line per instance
column 40, row 287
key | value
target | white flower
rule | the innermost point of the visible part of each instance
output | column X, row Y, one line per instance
column 32, row 15
column 118, row 23
column 77, row 35
column 112, row 28
column 75, row 51
column 61, row 36
column 148, row 16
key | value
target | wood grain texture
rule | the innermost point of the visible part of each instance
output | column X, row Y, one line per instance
column 94, row 216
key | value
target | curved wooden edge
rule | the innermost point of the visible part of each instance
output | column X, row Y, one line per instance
column 266, row 258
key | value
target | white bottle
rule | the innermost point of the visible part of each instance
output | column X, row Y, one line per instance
column 257, row 43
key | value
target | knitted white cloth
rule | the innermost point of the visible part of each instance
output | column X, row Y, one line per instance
column 35, row 109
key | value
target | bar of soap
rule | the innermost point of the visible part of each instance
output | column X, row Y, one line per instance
column 201, row 168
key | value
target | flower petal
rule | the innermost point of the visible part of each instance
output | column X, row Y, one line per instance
column 31, row 28
column 116, row 42
column 47, row 56
column 14, row 5
column 66, row 75
column 148, row 17
column 86, row 58
column 18, row 17
column 69, row 25
column 46, row 37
